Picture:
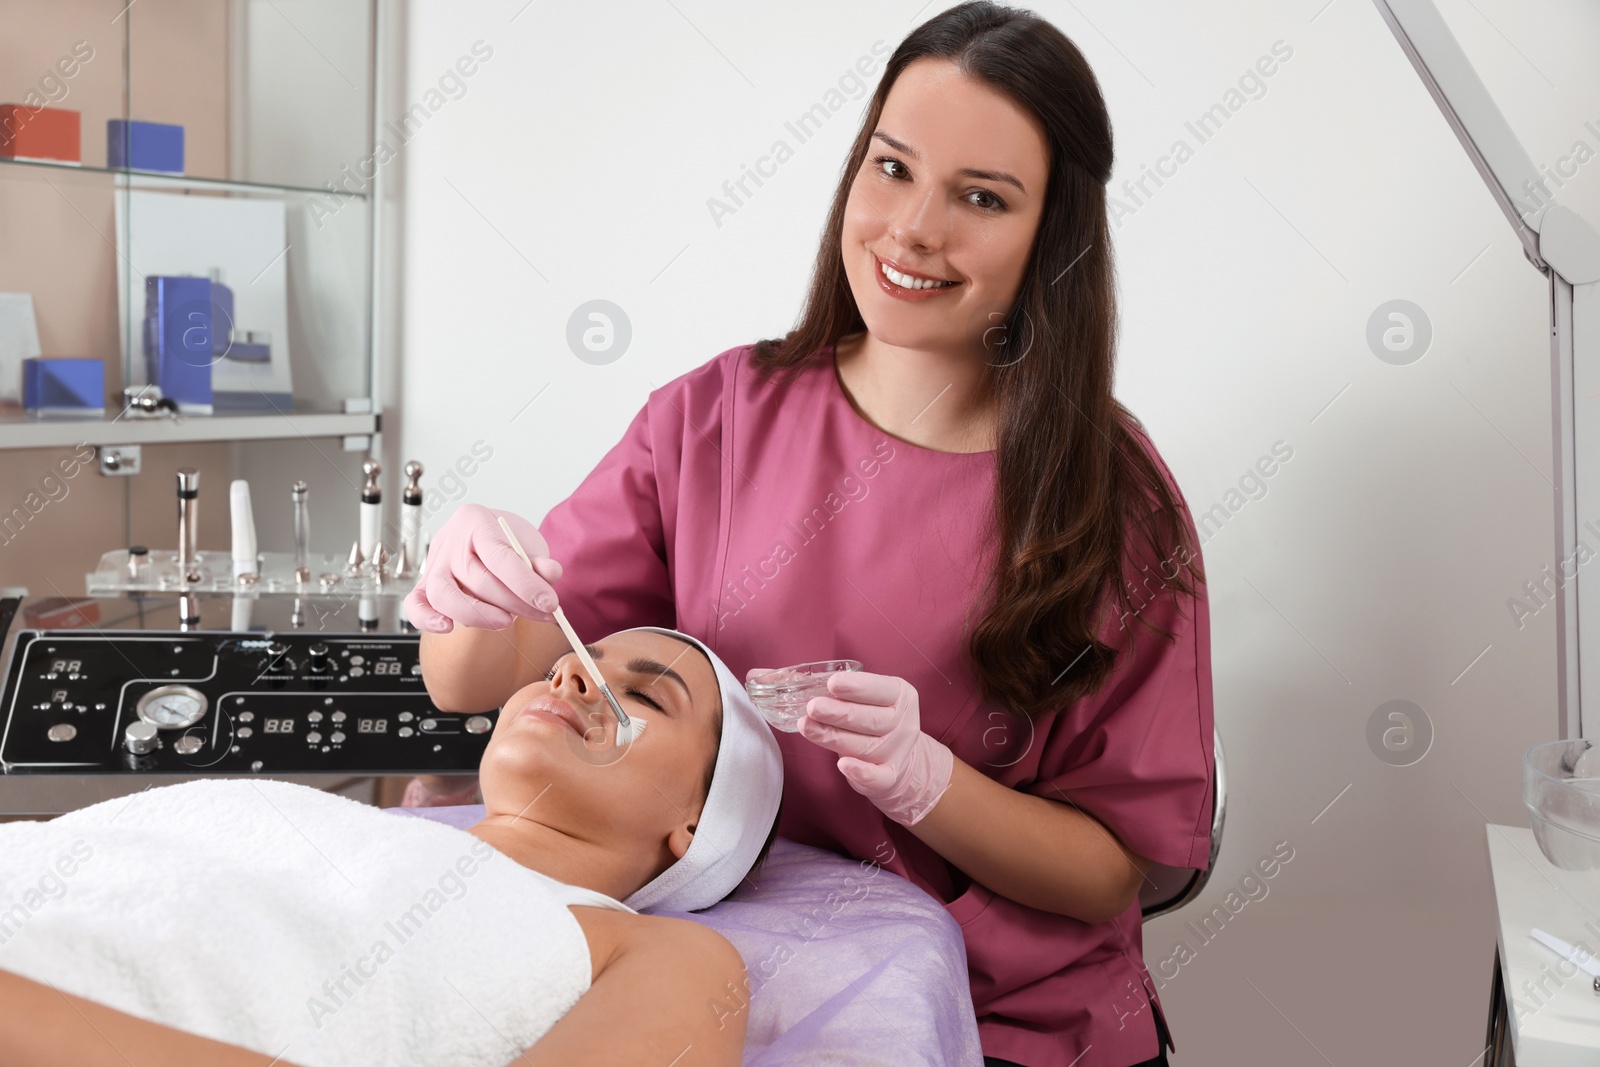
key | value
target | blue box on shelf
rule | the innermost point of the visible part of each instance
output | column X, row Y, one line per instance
column 177, row 339
column 64, row 386
column 250, row 346
column 135, row 145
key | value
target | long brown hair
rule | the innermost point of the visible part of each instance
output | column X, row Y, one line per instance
column 1072, row 479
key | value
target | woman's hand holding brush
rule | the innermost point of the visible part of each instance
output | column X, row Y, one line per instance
column 473, row 575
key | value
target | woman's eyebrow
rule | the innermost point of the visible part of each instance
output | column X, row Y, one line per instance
column 965, row 172
column 646, row 665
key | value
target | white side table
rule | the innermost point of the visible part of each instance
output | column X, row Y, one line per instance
column 1553, row 1015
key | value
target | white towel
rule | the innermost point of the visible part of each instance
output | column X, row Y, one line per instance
column 294, row 922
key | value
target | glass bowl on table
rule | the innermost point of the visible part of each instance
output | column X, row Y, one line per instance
column 781, row 695
column 1561, row 789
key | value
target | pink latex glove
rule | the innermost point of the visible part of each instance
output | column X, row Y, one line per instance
column 473, row 576
column 872, row 721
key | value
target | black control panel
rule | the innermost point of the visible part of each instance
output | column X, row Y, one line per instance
column 97, row 699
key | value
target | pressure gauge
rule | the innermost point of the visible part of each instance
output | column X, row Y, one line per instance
column 172, row 707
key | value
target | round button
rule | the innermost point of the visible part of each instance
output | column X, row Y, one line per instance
column 62, row 731
column 315, row 716
column 406, row 716
column 478, row 724
column 337, row 716
column 416, row 668
column 429, row 724
column 356, row 661
column 187, row 745
column 140, row 737
column 314, row 738
column 405, row 731
column 245, row 731
column 247, row 716
column 356, row 672
column 337, row 737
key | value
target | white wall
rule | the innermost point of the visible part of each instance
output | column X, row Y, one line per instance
column 1376, row 567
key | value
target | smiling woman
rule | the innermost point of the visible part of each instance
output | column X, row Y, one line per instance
column 962, row 310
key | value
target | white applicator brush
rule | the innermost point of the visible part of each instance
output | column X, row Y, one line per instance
column 627, row 729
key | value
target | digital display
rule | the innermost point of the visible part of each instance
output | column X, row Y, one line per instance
column 278, row 726
column 390, row 667
column 372, row 726
column 70, row 666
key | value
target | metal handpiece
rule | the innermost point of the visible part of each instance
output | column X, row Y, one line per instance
column 371, row 509
column 410, row 520
column 367, row 613
column 302, row 532
column 188, row 524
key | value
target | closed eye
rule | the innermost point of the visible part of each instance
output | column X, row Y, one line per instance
column 639, row 694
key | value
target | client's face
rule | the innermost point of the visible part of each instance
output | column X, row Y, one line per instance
column 552, row 757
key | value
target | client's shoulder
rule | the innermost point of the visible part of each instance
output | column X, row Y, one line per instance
column 654, row 941
column 659, row 975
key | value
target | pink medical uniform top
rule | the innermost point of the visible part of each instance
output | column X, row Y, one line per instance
column 775, row 523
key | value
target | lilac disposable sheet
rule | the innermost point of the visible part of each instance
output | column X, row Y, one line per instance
column 846, row 964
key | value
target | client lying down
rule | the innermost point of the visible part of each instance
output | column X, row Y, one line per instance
column 237, row 920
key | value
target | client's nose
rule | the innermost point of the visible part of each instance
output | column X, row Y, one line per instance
column 571, row 683
column 574, row 686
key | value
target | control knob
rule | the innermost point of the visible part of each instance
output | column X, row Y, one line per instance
column 140, row 737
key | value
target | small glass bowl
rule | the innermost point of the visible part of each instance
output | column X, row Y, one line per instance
column 1561, row 789
column 782, row 694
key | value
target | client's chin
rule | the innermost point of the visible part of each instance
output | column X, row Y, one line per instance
column 541, row 750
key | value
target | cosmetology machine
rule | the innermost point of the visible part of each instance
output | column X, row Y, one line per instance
column 1564, row 247
column 181, row 663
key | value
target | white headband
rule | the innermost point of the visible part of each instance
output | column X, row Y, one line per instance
column 746, row 785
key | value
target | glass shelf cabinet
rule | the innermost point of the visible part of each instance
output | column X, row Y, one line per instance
column 187, row 193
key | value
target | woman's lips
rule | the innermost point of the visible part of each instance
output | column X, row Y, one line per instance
column 546, row 706
column 902, row 293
